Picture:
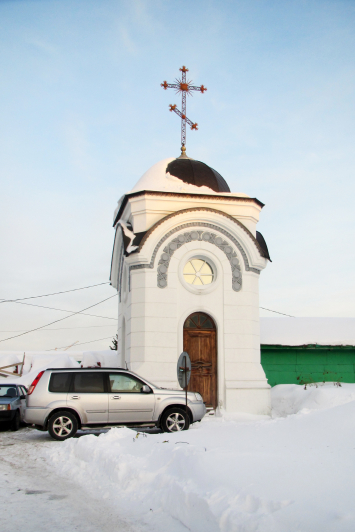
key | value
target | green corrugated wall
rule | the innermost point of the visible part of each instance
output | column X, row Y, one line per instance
column 308, row 363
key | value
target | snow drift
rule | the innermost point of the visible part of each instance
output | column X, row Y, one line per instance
column 293, row 472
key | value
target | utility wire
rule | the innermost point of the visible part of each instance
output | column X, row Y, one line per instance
column 56, row 321
column 277, row 312
column 70, row 328
column 54, row 293
column 62, row 310
column 82, row 343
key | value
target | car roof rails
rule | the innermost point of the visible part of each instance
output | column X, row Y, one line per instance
column 88, row 368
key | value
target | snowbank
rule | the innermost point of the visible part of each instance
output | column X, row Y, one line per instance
column 10, row 358
column 305, row 331
column 287, row 399
column 36, row 361
column 293, row 473
column 39, row 364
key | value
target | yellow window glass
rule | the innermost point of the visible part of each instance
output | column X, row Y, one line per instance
column 198, row 272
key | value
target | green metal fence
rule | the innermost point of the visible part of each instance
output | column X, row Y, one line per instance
column 308, row 363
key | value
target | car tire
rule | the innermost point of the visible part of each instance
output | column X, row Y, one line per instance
column 15, row 423
column 62, row 425
column 175, row 420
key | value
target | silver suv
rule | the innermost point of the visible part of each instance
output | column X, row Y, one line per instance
column 65, row 400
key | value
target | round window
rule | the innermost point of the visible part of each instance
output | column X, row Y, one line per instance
column 198, row 272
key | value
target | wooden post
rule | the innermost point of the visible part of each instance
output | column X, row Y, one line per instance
column 23, row 363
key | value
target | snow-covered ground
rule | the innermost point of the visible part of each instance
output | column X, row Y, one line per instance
column 35, row 499
column 293, row 472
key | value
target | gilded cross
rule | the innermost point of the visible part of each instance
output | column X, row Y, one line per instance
column 185, row 87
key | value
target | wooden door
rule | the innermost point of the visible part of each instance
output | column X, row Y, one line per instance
column 200, row 344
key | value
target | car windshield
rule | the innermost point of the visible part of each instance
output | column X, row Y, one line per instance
column 8, row 391
column 145, row 380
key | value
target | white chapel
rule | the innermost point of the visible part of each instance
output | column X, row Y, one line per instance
column 186, row 264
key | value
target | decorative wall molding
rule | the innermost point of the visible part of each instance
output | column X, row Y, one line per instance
column 196, row 224
column 205, row 236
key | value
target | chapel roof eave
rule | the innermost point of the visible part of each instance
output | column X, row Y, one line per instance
column 259, row 243
column 224, row 197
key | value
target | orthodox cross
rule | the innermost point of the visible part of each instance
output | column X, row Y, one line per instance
column 185, row 87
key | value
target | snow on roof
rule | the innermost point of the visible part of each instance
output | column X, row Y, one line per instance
column 157, row 179
column 36, row 361
column 305, row 331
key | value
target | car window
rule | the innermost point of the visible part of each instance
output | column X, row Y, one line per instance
column 8, row 391
column 23, row 391
column 119, row 382
column 89, row 382
column 60, row 382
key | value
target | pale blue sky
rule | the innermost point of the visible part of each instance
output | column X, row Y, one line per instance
column 83, row 116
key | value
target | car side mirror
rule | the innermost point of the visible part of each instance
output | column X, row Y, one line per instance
column 145, row 389
column 22, row 397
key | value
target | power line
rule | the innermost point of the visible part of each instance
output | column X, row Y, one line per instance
column 277, row 312
column 56, row 321
column 72, row 328
column 91, row 341
column 54, row 293
column 82, row 343
column 62, row 310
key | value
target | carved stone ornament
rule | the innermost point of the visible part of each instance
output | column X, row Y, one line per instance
column 197, row 232
column 205, row 236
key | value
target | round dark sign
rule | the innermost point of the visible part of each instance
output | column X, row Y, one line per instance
column 183, row 374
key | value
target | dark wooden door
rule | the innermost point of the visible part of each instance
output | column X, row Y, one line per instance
column 200, row 344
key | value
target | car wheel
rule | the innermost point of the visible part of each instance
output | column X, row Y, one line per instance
column 62, row 425
column 175, row 420
column 15, row 423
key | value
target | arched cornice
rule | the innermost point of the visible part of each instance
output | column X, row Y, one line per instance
column 209, row 238
column 206, row 209
column 189, row 225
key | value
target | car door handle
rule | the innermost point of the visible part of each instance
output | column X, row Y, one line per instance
column 75, row 397
column 116, row 397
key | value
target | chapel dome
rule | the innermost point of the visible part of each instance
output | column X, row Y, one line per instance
column 198, row 174
column 182, row 175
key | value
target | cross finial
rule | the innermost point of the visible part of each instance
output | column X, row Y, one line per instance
column 185, row 87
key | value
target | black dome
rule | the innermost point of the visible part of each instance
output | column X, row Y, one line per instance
column 198, row 174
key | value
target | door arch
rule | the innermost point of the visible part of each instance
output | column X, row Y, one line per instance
column 201, row 345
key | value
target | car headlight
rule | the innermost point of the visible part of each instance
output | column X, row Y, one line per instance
column 198, row 397
column 5, row 407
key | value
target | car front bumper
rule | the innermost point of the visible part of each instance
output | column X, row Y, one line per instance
column 7, row 415
column 198, row 410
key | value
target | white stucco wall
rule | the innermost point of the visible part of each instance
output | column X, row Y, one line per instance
column 154, row 316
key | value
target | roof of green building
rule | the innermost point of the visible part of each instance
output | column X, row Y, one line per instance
column 305, row 331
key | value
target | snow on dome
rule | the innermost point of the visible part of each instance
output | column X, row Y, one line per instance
column 156, row 178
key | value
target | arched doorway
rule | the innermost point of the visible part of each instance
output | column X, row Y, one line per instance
column 200, row 344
